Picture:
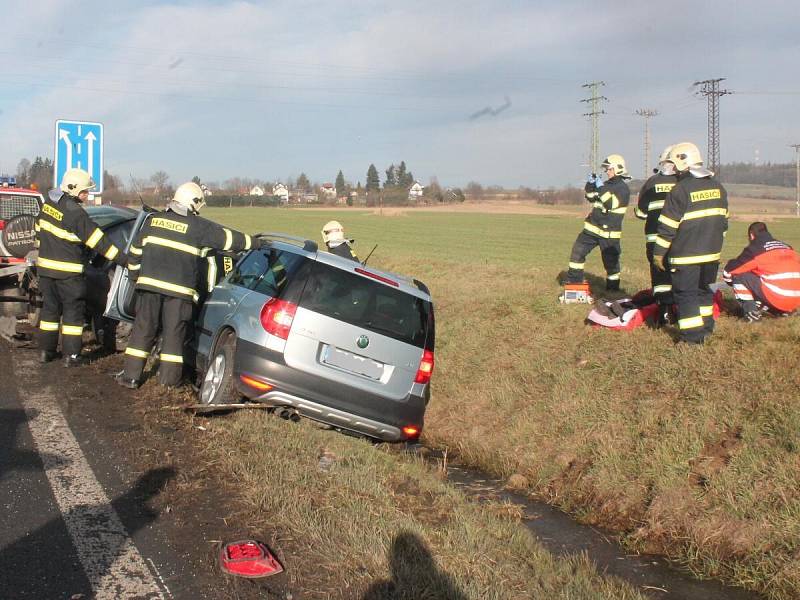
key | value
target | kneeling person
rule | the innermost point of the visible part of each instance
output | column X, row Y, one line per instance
column 165, row 261
column 765, row 276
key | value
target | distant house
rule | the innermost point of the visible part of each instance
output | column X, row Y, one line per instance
column 281, row 191
column 256, row 191
column 416, row 191
column 328, row 191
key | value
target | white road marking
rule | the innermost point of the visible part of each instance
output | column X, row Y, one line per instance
column 110, row 560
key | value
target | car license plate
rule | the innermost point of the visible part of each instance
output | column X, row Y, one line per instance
column 354, row 363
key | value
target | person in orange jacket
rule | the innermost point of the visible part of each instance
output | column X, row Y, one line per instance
column 766, row 276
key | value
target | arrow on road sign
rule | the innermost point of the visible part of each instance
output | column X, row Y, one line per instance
column 90, row 137
column 64, row 135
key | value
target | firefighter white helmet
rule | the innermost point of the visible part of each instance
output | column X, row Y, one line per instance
column 332, row 231
column 684, row 156
column 76, row 181
column 662, row 158
column 616, row 163
column 188, row 198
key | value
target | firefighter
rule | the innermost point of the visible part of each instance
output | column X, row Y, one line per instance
column 765, row 276
column 166, row 258
column 333, row 236
column 603, row 226
column 651, row 201
column 689, row 239
column 65, row 235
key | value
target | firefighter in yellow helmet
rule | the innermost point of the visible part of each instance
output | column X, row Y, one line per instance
column 651, row 200
column 333, row 236
column 689, row 239
column 166, row 259
column 603, row 226
column 65, row 233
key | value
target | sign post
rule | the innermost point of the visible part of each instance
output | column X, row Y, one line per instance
column 79, row 144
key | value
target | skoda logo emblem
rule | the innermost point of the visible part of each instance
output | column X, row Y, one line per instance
column 362, row 341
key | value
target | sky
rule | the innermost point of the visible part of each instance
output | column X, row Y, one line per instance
column 267, row 90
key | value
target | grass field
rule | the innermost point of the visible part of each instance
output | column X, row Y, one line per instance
column 691, row 452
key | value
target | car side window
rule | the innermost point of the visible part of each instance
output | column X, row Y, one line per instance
column 249, row 271
column 281, row 267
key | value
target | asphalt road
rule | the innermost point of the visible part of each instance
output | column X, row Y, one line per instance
column 76, row 522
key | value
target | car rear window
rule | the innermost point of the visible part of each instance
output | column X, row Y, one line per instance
column 360, row 301
column 12, row 205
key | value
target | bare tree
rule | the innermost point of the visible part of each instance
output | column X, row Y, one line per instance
column 160, row 180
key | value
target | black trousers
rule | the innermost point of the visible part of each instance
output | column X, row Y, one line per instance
column 661, row 281
column 154, row 313
column 694, row 300
column 64, row 303
column 610, row 250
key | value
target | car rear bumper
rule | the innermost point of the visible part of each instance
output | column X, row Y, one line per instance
column 323, row 400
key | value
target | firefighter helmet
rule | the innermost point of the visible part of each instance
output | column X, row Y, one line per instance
column 332, row 231
column 662, row 158
column 684, row 156
column 188, row 198
column 76, row 181
column 616, row 163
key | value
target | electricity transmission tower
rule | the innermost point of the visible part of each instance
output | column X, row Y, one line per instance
column 710, row 89
column 594, row 112
column 797, row 177
column 646, row 113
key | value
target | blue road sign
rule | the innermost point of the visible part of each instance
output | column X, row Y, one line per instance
column 79, row 145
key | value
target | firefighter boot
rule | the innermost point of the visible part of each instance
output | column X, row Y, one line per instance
column 46, row 356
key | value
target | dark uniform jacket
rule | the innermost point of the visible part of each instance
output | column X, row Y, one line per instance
column 170, row 251
column 344, row 250
column 65, row 233
column 651, row 200
column 610, row 201
column 693, row 223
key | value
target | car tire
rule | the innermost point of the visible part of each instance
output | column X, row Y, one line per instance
column 217, row 386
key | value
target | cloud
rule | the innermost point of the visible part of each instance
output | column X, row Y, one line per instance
column 266, row 89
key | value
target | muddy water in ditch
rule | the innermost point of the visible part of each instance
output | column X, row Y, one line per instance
column 561, row 535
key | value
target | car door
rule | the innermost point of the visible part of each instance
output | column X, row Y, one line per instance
column 120, row 303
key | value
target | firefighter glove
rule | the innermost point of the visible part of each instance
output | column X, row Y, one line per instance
column 658, row 261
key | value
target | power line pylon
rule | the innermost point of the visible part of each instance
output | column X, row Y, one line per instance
column 710, row 89
column 594, row 112
column 647, row 113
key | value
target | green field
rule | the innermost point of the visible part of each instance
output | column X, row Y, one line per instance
column 688, row 451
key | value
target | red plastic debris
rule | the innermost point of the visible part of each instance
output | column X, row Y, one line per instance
column 248, row 558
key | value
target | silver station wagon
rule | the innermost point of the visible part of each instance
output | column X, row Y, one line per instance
column 314, row 335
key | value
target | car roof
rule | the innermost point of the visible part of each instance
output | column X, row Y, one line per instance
column 404, row 283
column 108, row 216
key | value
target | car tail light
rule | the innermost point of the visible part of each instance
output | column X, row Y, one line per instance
column 411, row 431
column 425, row 368
column 381, row 278
column 2, row 224
column 277, row 316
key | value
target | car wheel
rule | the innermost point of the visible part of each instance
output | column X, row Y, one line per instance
column 217, row 386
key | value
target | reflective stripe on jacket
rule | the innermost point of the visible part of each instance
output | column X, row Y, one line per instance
column 778, row 266
column 693, row 222
column 609, row 204
column 651, row 200
column 169, row 253
column 65, row 234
